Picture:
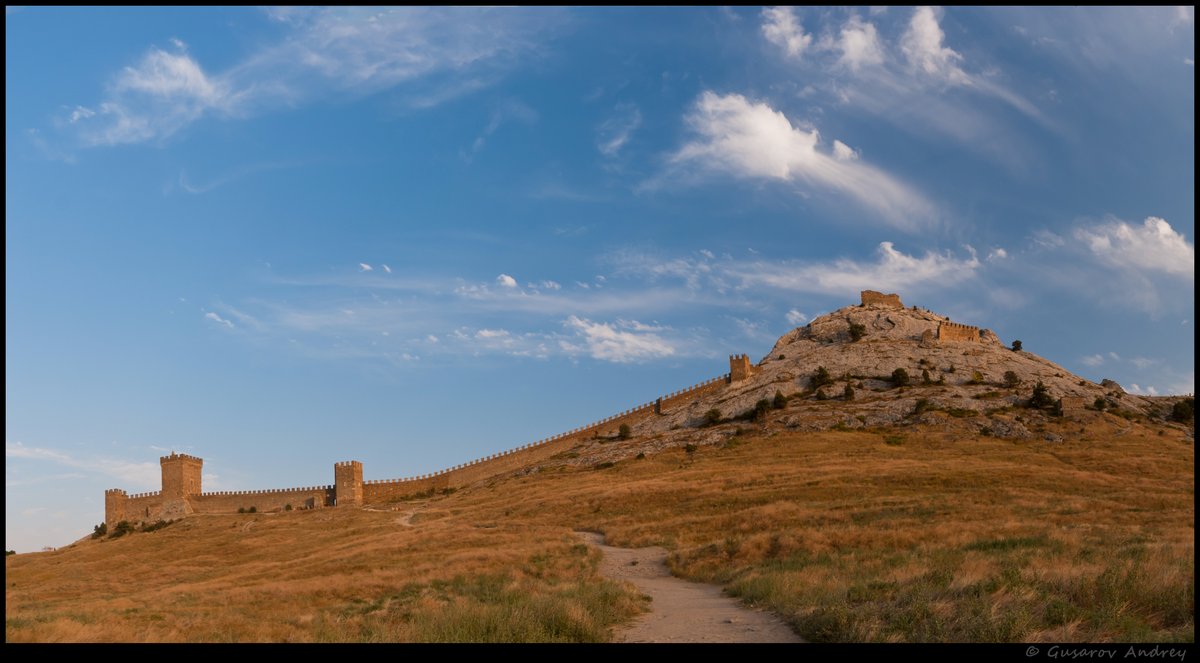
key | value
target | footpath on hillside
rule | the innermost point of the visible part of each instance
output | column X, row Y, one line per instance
column 682, row 611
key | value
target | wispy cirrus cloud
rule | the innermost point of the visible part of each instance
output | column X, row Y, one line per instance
column 438, row 53
column 132, row 474
column 736, row 136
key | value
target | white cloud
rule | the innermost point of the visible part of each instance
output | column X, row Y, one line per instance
column 439, row 53
column 491, row 333
column 81, row 113
column 843, row 152
column 622, row 342
column 364, row 267
column 1093, row 360
column 923, row 49
column 782, row 28
column 796, row 318
column 615, row 132
column 133, row 475
column 892, row 270
column 218, row 319
column 997, row 254
column 506, row 281
column 387, row 269
column 753, row 140
column 1146, row 391
column 859, row 44
column 1153, row 247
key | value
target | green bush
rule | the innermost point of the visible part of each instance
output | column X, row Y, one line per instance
column 780, row 401
column 1011, row 380
column 1100, row 403
column 857, row 331
column 1184, row 411
column 712, row 417
column 252, row 509
column 287, row 507
column 99, row 530
column 121, row 529
column 976, row 378
column 921, row 406
column 1040, row 398
column 690, row 448
column 9, row 552
column 1016, row 346
column 641, row 455
column 241, row 509
column 925, row 379
column 848, row 393
column 624, row 432
column 761, row 408
column 900, row 377
column 821, row 395
column 820, row 378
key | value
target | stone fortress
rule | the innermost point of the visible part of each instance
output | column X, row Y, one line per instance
column 182, row 493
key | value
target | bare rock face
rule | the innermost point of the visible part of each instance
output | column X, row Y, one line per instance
column 970, row 378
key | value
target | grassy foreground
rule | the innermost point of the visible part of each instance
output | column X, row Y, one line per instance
column 850, row 536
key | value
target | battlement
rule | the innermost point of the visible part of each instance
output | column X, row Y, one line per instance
column 740, row 368
column 953, row 331
column 179, row 457
column 114, row 491
column 873, row 298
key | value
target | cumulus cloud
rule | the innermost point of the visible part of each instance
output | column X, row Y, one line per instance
column 859, row 45
column 781, row 27
column 622, row 342
column 843, row 152
column 899, row 271
column 796, row 318
column 997, row 254
column 752, row 140
column 923, row 48
column 1152, row 247
column 506, row 281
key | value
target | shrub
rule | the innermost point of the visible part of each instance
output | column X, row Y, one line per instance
column 1100, row 403
column 604, row 465
column 857, row 331
column 780, row 401
column 893, row 440
column 9, row 552
column 761, row 408
column 712, row 417
column 925, row 379
column 900, row 377
column 624, row 432
column 1016, row 346
column 1011, row 380
column 976, row 378
column 99, row 530
column 690, row 448
column 252, row 509
column 121, row 529
column 848, row 393
column 241, row 509
column 1040, row 398
column 821, row 378
column 821, row 395
column 1184, row 411
column 641, row 456
column 287, row 507
column 921, row 406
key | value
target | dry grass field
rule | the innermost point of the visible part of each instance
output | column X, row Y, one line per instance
column 914, row 534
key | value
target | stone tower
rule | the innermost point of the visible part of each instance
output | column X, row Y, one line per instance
column 740, row 368
column 115, row 503
column 348, row 483
column 180, row 475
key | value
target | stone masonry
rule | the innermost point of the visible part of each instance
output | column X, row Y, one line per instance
column 873, row 298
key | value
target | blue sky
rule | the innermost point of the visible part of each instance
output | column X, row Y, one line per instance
column 279, row 239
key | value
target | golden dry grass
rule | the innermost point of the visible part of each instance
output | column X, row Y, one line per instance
column 942, row 537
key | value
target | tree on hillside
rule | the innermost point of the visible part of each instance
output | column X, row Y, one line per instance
column 624, row 432
column 900, row 377
column 712, row 417
column 821, row 378
column 780, row 401
column 1040, row 399
column 1016, row 346
column 1011, row 379
column 857, row 331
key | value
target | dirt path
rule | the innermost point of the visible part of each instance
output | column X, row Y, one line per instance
column 683, row 611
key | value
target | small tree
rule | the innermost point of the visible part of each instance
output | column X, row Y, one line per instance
column 1040, row 399
column 99, row 530
column 780, row 400
column 848, row 393
column 921, row 406
column 1184, row 411
column 1016, row 346
column 712, row 417
column 624, row 432
column 241, row 509
column 976, row 378
column 1100, row 403
column 925, row 379
column 1011, row 380
column 761, row 408
column 821, row 395
column 900, row 377
column 253, row 509
column 287, row 507
column 857, row 331
column 821, row 378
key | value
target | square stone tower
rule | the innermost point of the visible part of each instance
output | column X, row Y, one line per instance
column 348, row 483
column 180, row 475
column 740, row 368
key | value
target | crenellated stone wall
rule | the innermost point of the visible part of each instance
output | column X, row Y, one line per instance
column 873, row 298
column 952, row 331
